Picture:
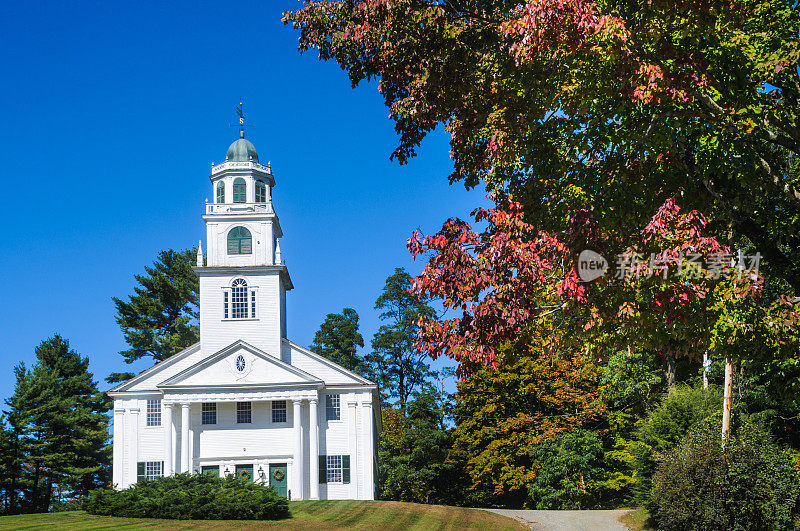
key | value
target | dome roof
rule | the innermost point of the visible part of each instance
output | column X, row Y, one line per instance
column 242, row 150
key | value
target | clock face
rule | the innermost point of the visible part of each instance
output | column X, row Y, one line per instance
column 240, row 363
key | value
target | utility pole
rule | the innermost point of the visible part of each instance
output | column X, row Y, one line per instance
column 727, row 402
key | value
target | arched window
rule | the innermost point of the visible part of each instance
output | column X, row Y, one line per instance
column 239, row 299
column 240, row 241
column 261, row 192
column 220, row 192
column 239, row 190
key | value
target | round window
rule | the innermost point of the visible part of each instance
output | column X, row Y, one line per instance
column 240, row 363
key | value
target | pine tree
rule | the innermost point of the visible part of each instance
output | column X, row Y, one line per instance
column 15, row 454
column 160, row 318
column 59, row 428
column 338, row 340
column 399, row 369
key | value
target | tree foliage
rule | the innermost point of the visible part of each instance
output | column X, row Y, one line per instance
column 160, row 318
column 503, row 413
column 57, row 431
column 660, row 132
column 397, row 366
column 569, row 469
column 752, row 485
column 338, row 340
column 414, row 455
column 591, row 103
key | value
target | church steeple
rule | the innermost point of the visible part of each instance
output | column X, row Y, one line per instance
column 243, row 283
column 243, row 228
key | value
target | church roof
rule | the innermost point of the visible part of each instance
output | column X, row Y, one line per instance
column 242, row 150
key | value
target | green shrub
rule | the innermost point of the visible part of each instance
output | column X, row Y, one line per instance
column 681, row 409
column 191, row 497
column 569, row 469
column 752, row 485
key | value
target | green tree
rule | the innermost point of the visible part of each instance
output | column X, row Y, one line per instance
column 569, row 470
column 502, row 413
column 415, row 464
column 395, row 364
column 338, row 340
column 160, row 318
column 59, row 427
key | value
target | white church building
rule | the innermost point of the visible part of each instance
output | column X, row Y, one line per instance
column 245, row 400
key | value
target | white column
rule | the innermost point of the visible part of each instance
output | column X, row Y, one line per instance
column 352, row 425
column 166, row 423
column 132, row 431
column 313, row 449
column 119, row 447
column 186, row 462
column 369, row 460
column 298, row 451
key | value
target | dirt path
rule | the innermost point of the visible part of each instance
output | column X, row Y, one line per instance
column 567, row 520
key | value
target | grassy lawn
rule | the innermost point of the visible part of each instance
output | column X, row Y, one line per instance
column 305, row 515
column 637, row 520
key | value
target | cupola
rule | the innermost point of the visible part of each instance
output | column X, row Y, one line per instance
column 242, row 150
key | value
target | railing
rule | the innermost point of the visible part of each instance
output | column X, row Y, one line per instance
column 230, row 165
column 239, row 208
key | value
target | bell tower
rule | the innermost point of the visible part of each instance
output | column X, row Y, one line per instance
column 243, row 282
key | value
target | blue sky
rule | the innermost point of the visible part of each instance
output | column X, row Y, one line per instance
column 111, row 117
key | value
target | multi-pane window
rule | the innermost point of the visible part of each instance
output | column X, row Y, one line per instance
column 220, row 192
column 239, row 299
column 239, row 302
column 279, row 411
column 152, row 469
column 240, row 241
column 261, row 192
column 244, row 413
column 334, row 469
column 149, row 470
column 239, row 190
column 209, row 415
column 332, row 410
column 154, row 412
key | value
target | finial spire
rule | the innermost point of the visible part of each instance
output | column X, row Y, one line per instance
column 199, row 253
column 240, row 112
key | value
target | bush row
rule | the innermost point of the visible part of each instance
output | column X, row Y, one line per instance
column 191, row 497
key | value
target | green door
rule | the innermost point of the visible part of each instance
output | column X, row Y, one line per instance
column 244, row 472
column 211, row 470
column 277, row 477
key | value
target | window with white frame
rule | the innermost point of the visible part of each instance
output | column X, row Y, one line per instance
column 279, row 411
column 153, row 412
column 334, row 469
column 152, row 469
column 209, row 414
column 244, row 412
column 225, row 296
column 149, row 470
column 332, row 409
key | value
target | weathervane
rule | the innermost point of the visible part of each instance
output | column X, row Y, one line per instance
column 240, row 114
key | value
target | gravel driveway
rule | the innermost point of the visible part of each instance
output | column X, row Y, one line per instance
column 563, row 520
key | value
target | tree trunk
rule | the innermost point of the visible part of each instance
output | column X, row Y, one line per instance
column 727, row 400
column 669, row 370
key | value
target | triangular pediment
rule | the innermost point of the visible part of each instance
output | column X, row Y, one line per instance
column 240, row 364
